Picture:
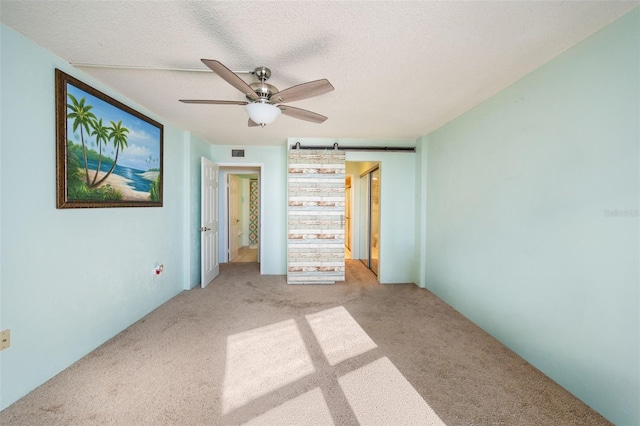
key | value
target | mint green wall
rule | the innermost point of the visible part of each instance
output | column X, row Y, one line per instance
column 273, row 201
column 520, row 233
column 70, row 279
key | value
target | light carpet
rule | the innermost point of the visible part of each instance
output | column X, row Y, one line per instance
column 252, row 349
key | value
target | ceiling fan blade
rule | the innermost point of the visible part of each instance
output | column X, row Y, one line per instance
column 303, row 91
column 302, row 114
column 253, row 123
column 231, row 78
column 212, row 102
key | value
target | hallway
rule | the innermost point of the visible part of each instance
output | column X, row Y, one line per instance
column 246, row 254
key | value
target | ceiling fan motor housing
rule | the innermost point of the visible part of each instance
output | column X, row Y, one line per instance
column 264, row 90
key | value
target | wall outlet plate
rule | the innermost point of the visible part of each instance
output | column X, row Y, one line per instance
column 5, row 339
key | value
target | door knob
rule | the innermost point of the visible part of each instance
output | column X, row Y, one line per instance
column 204, row 229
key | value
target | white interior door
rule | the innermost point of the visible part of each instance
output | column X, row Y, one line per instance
column 209, row 231
column 234, row 219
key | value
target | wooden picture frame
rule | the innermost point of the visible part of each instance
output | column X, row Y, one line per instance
column 108, row 154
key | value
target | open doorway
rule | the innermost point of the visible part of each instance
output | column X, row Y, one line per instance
column 362, row 213
column 242, row 223
column 240, row 214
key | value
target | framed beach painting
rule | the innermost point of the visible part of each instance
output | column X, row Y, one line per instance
column 108, row 154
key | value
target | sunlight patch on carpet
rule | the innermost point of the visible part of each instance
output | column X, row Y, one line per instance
column 380, row 395
column 310, row 408
column 339, row 335
column 262, row 360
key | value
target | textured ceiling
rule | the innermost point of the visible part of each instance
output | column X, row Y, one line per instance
column 400, row 69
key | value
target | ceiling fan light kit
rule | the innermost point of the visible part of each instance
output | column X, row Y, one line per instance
column 262, row 113
column 263, row 100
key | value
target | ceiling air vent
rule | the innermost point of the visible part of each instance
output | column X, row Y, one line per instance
column 237, row 152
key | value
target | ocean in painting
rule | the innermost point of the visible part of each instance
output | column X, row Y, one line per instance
column 138, row 182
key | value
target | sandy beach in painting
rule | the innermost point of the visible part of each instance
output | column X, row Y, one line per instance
column 122, row 184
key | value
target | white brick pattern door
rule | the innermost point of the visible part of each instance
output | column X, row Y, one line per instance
column 316, row 202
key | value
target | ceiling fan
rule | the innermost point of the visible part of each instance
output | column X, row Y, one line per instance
column 263, row 102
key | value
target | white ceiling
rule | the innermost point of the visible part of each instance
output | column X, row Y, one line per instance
column 400, row 69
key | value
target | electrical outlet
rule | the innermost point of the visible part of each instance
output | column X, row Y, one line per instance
column 5, row 339
column 157, row 270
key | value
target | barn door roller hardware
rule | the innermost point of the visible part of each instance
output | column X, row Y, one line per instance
column 336, row 146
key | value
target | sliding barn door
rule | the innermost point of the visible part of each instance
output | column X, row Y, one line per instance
column 315, row 243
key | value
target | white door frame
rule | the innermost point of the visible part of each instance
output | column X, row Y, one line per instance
column 355, row 214
column 350, row 237
column 240, row 168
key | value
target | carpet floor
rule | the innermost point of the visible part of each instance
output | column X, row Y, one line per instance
column 250, row 349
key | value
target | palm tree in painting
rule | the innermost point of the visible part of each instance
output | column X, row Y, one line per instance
column 101, row 132
column 117, row 134
column 82, row 117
